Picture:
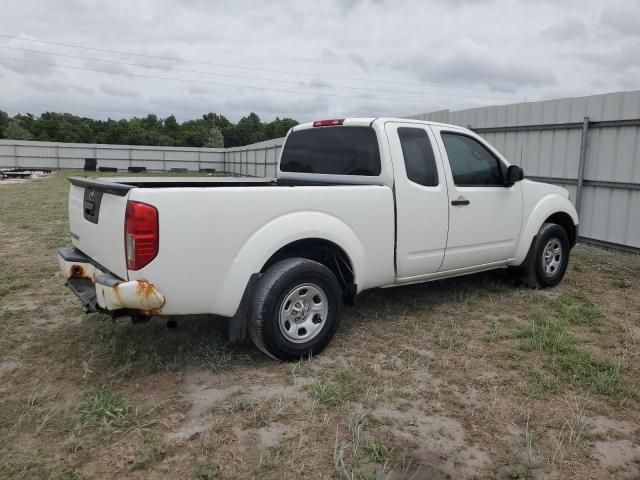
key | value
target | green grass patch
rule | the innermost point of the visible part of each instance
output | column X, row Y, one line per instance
column 378, row 451
column 569, row 363
column 343, row 385
column 8, row 280
column 450, row 338
column 540, row 385
column 104, row 408
column 594, row 374
column 545, row 334
column 575, row 309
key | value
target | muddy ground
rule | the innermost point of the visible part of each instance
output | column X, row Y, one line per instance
column 474, row 377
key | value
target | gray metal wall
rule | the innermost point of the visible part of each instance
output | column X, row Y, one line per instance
column 15, row 153
column 256, row 160
column 546, row 139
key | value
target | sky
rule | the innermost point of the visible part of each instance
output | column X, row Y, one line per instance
column 309, row 60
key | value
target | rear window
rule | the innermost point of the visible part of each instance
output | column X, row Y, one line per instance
column 333, row 151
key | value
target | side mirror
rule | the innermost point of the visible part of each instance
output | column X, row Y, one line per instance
column 514, row 174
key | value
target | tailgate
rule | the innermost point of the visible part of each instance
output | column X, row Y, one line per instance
column 96, row 219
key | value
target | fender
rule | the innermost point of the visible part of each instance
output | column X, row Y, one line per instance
column 543, row 209
column 279, row 232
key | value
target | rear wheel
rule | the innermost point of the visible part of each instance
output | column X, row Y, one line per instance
column 295, row 309
column 548, row 257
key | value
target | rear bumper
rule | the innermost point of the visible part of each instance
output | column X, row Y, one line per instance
column 101, row 291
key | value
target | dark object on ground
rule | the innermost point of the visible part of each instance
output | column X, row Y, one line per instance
column 107, row 169
column 208, row 170
column 175, row 169
column 21, row 172
column 137, row 169
column 90, row 164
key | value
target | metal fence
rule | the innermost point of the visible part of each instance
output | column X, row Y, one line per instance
column 259, row 159
column 589, row 145
column 14, row 153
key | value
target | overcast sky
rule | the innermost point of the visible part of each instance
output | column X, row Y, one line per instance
column 309, row 59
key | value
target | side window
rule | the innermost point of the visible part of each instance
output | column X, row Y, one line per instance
column 471, row 163
column 419, row 160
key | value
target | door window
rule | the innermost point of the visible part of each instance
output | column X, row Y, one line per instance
column 419, row 160
column 472, row 164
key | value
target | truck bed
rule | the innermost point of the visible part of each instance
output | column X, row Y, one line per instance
column 211, row 239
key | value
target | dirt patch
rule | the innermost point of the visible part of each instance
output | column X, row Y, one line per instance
column 621, row 457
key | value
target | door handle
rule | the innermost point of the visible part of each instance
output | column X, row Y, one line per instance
column 460, row 201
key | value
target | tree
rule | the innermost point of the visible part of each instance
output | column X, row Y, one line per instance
column 4, row 122
column 16, row 131
column 215, row 140
column 250, row 130
column 212, row 129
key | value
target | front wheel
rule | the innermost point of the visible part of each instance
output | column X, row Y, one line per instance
column 295, row 309
column 548, row 258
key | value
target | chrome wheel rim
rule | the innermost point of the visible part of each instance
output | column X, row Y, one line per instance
column 552, row 257
column 303, row 313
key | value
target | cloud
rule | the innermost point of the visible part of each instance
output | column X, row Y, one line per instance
column 347, row 6
column 117, row 91
column 625, row 21
column 107, row 67
column 29, row 63
column 474, row 67
column 318, row 83
column 570, row 28
column 358, row 60
column 198, row 90
column 615, row 60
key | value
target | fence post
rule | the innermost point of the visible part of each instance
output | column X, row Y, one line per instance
column 224, row 162
column 199, row 157
column 164, row 160
column 58, row 157
column 582, row 162
column 15, row 154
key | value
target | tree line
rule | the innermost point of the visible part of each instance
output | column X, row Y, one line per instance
column 212, row 130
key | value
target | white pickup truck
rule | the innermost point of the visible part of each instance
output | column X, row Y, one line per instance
column 357, row 204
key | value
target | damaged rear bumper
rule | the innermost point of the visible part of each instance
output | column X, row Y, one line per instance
column 101, row 291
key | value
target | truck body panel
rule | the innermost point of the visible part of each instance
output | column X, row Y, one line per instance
column 404, row 200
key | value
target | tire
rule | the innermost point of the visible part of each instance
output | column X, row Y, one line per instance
column 548, row 257
column 295, row 309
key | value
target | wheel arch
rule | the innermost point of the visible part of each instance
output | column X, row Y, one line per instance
column 552, row 208
column 305, row 233
column 565, row 221
column 323, row 251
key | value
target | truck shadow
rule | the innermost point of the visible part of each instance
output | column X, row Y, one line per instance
column 200, row 341
column 420, row 298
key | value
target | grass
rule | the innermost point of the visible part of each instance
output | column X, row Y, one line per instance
column 547, row 333
column 378, row 451
column 103, row 408
column 82, row 397
column 576, row 309
column 339, row 387
column 450, row 338
column 135, row 350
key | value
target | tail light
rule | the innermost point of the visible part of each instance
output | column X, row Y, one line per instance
column 328, row 123
column 141, row 234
